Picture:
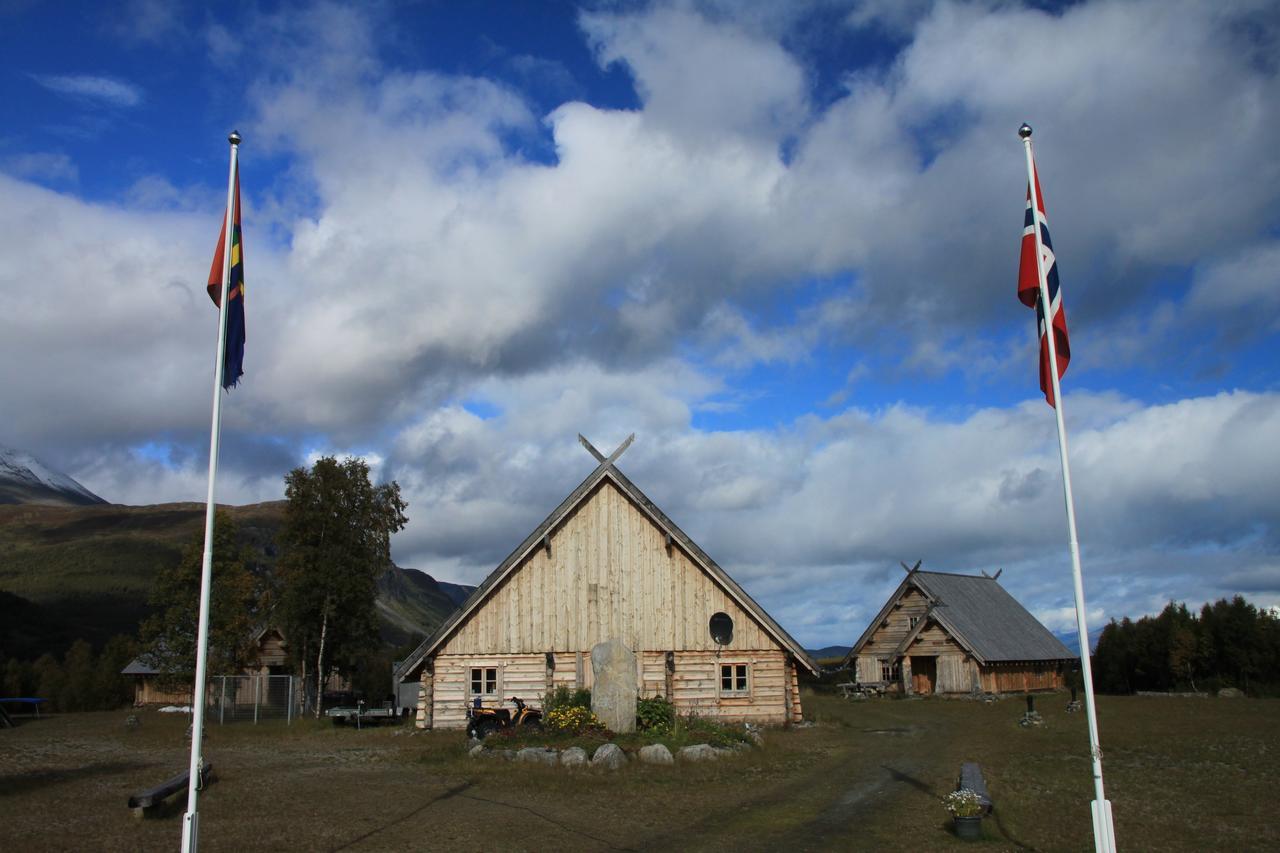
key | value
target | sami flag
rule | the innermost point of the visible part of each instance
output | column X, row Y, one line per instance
column 233, row 357
column 1029, row 290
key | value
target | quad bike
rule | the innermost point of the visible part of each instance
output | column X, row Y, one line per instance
column 482, row 721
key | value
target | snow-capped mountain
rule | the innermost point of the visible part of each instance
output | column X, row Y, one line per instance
column 24, row 479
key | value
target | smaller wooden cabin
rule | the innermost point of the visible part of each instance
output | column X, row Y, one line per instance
column 270, row 658
column 609, row 564
column 949, row 633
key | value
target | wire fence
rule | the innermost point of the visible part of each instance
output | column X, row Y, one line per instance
column 251, row 698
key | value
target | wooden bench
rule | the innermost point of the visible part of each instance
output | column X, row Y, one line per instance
column 148, row 803
column 971, row 777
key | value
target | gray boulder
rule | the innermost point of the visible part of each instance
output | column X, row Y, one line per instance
column 613, row 695
column 574, row 756
column 609, row 756
column 698, row 752
column 538, row 755
column 476, row 751
column 656, row 754
column 1230, row 693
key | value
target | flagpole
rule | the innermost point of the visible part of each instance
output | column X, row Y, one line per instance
column 1104, row 836
column 190, row 822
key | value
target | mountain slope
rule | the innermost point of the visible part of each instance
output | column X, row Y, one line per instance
column 24, row 479
column 89, row 570
column 410, row 602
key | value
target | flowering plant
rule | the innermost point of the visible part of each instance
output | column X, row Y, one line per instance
column 571, row 718
column 963, row 803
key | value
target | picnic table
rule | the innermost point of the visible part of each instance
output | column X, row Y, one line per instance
column 860, row 689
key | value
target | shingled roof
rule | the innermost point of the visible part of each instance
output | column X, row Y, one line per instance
column 606, row 470
column 980, row 615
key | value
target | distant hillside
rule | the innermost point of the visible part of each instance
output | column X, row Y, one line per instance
column 409, row 601
column 1071, row 639
column 91, row 568
column 456, row 591
column 27, row 630
column 828, row 652
column 24, row 479
column 86, row 572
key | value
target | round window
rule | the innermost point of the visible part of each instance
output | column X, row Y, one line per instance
column 721, row 628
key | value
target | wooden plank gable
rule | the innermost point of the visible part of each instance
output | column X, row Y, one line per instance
column 624, row 528
column 608, row 573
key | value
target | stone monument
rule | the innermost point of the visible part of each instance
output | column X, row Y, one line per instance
column 613, row 693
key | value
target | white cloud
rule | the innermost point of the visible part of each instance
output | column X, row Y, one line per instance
column 411, row 267
column 109, row 90
column 42, row 166
column 1164, row 494
column 1240, row 288
column 703, row 82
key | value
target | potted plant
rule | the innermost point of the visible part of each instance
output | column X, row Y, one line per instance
column 965, row 807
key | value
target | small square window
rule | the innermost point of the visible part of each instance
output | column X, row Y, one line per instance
column 733, row 679
column 484, row 680
column 914, row 621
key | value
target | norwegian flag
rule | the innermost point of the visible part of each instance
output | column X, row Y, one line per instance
column 1029, row 291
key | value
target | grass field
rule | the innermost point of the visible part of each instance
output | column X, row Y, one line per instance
column 1183, row 774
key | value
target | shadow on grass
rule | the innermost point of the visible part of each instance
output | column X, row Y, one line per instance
column 13, row 784
column 552, row 821
column 899, row 776
column 1004, row 832
column 460, row 791
column 450, row 792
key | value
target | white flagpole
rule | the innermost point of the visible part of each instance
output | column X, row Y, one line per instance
column 1104, row 834
column 190, row 822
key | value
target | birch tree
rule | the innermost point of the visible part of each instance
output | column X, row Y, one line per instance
column 335, row 543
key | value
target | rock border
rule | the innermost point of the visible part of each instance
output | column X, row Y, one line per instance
column 610, row 756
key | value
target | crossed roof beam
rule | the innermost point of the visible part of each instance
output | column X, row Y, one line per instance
column 606, row 461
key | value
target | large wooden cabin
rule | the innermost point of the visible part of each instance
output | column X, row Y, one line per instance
column 608, row 564
column 947, row 633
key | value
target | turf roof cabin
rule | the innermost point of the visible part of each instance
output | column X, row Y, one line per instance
column 605, row 564
column 947, row 633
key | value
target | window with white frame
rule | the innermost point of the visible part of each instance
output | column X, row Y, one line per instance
column 484, row 680
column 915, row 620
column 735, row 679
column 889, row 671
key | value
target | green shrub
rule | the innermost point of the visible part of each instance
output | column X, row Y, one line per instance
column 655, row 714
column 566, row 697
column 695, row 729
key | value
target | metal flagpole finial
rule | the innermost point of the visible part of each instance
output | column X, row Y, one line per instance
column 1024, row 132
column 234, row 137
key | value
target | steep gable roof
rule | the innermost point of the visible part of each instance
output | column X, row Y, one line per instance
column 980, row 615
column 605, row 471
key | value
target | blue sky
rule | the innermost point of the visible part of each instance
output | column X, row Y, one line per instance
column 777, row 241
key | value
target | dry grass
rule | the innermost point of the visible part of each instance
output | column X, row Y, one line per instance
column 1183, row 774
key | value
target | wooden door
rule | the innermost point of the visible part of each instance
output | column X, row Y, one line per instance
column 924, row 674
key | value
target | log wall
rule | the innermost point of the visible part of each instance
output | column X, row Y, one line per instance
column 1022, row 677
column 773, row 697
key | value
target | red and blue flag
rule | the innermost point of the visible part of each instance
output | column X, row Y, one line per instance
column 233, row 356
column 1029, row 290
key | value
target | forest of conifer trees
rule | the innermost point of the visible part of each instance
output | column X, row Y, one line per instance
column 1227, row 644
